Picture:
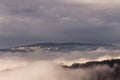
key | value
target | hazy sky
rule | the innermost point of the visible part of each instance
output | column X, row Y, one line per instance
column 31, row 21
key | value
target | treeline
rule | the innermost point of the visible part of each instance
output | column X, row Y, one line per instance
column 110, row 63
column 99, row 70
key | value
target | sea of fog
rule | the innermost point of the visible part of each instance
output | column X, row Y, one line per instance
column 41, row 65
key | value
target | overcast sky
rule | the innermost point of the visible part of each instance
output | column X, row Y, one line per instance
column 32, row 21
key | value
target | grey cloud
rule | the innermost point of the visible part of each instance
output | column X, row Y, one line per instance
column 28, row 21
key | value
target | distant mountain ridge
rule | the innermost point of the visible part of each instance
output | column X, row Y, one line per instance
column 61, row 47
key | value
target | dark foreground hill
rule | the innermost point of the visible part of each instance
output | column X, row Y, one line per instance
column 110, row 63
column 103, row 70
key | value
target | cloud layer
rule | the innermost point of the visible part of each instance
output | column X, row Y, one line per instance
column 48, row 66
column 28, row 21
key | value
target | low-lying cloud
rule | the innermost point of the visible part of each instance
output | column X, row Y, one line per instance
column 67, row 58
column 48, row 65
column 51, row 71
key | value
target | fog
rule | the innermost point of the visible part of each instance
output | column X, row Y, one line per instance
column 40, row 65
column 50, row 71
